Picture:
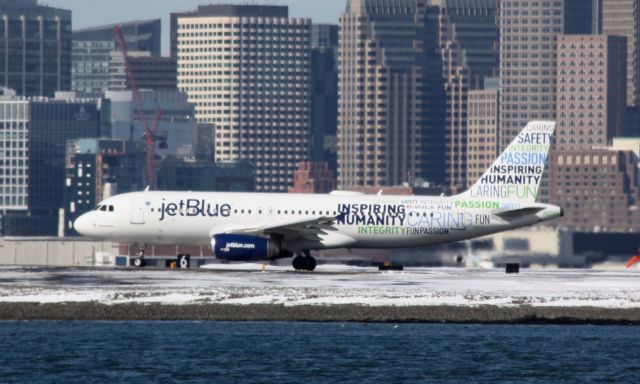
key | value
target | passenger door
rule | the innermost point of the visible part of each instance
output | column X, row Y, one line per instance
column 137, row 211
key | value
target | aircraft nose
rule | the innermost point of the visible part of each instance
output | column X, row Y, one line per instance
column 82, row 225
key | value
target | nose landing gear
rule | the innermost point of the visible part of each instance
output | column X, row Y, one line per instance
column 304, row 262
column 140, row 262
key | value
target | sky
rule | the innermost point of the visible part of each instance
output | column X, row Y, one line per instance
column 89, row 13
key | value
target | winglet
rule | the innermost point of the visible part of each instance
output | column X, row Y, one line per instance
column 633, row 260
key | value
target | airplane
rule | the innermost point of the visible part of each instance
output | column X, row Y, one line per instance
column 268, row 226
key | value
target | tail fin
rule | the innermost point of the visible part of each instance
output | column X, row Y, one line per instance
column 517, row 172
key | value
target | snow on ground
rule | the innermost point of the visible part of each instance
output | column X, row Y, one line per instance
column 330, row 284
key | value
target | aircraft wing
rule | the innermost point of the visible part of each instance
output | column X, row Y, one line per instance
column 307, row 229
column 519, row 212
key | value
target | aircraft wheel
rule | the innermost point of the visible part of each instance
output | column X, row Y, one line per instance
column 140, row 262
column 299, row 263
column 311, row 263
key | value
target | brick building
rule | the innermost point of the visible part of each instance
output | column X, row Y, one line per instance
column 313, row 178
column 591, row 90
column 598, row 189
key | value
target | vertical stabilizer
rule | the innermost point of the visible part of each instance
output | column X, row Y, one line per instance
column 517, row 172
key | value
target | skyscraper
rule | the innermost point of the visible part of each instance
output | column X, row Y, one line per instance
column 383, row 123
column 468, row 43
column 482, row 125
column 622, row 17
column 35, row 48
column 528, row 33
column 247, row 70
column 473, row 26
column 324, row 94
column 592, row 74
column 583, row 17
column 93, row 48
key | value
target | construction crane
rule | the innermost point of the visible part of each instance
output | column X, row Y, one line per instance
column 149, row 133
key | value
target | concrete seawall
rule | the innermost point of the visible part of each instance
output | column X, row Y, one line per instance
column 333, row 313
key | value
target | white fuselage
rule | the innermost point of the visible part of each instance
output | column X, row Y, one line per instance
column 361, row 221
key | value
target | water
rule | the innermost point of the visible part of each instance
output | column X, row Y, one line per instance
column 218, row 352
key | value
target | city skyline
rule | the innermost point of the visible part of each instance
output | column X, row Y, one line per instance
column 253, row 78
column 90, row 13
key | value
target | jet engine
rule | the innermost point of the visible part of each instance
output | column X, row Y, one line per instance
column 235, row 247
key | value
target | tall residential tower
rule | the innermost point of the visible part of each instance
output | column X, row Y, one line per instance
column 468, row 43
column 247, row 70
column 383, row 127
column 528, row 33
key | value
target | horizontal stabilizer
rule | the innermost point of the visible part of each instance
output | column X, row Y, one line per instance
column 513, row 213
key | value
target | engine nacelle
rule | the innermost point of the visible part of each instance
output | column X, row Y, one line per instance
column 235, row 247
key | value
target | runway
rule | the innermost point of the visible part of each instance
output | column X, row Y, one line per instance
column 332, row 293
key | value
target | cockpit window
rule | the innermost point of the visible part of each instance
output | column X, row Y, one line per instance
column 111, row 208
column 105, row 208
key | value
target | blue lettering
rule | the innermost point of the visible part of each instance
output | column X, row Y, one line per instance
column 192, row 208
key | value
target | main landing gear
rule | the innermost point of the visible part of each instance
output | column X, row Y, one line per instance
column 304, row 262
column 140, row 262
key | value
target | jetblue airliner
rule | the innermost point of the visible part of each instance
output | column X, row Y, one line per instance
column 268, row 226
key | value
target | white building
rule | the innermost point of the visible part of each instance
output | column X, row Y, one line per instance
column 247, row 70
column 14, row 129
